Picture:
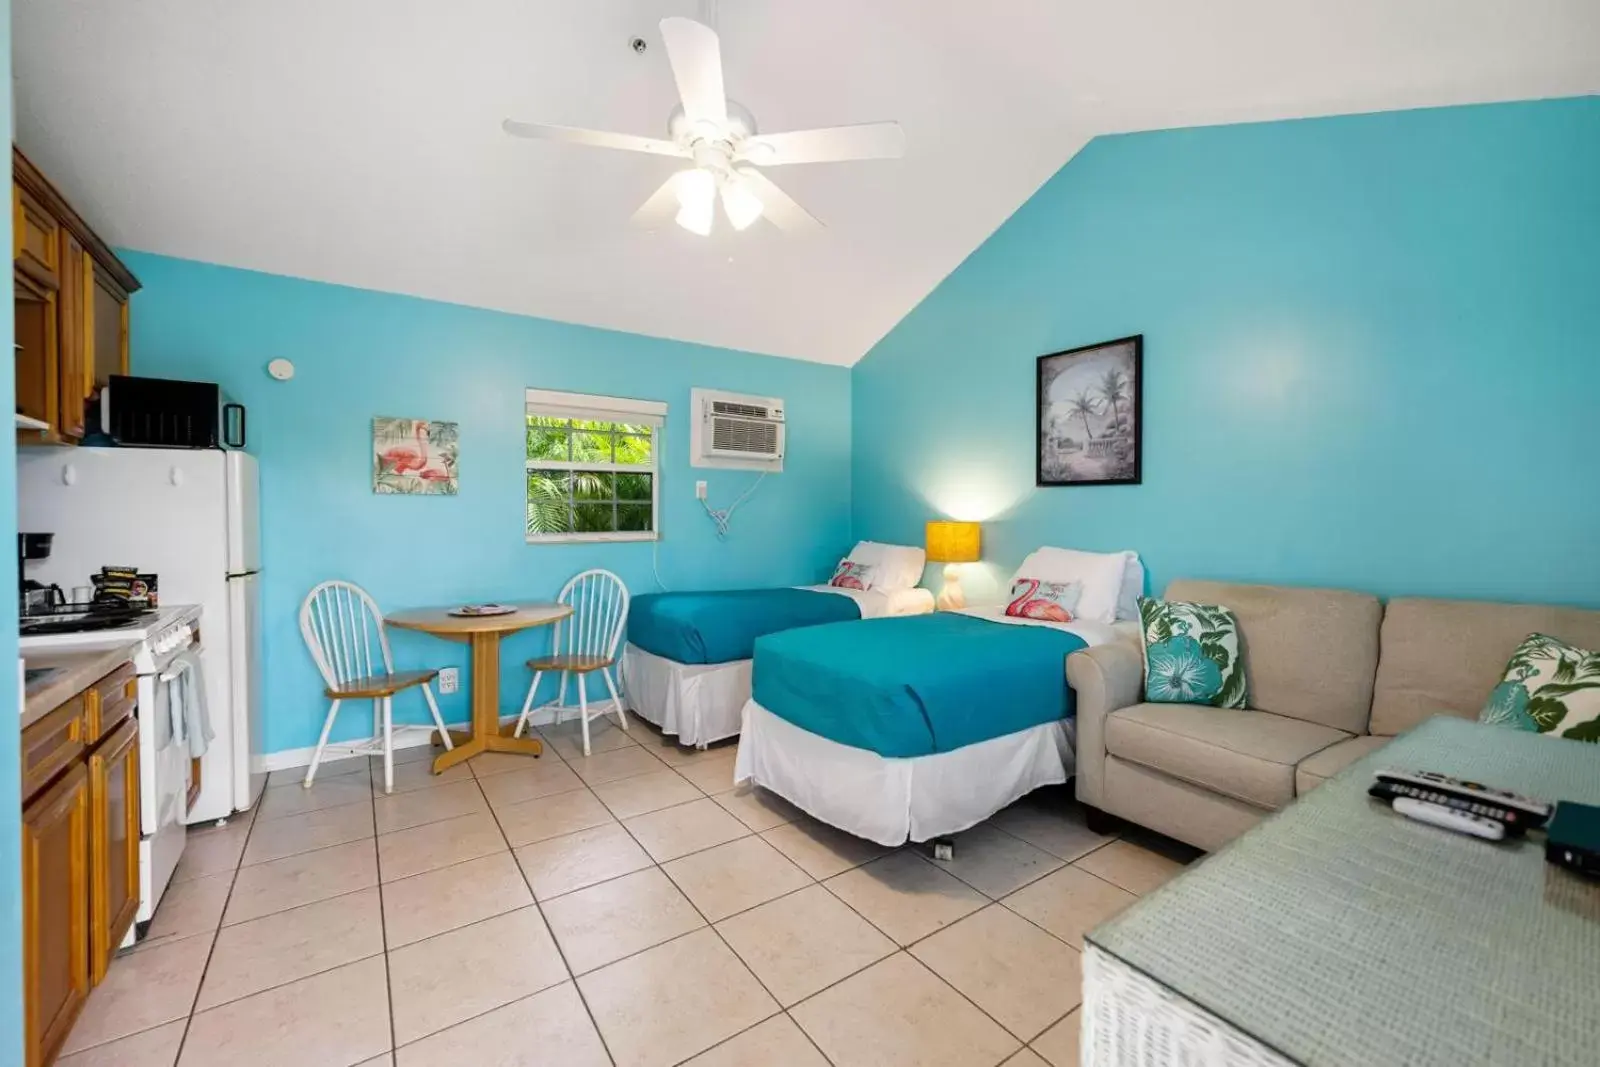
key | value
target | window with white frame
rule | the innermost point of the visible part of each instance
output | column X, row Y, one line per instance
column 593, row 467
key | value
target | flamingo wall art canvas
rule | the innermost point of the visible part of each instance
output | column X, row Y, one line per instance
column 414, row 456
column 1090, row 417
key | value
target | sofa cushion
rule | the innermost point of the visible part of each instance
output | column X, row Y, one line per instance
column 1318, row 768
column 1308, row 653
column 1248, row 755
column 1443, row 657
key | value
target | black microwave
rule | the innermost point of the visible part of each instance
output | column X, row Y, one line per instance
column 167, row 413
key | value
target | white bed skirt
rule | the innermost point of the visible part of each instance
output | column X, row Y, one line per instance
column 698, row 703
column 891, row 801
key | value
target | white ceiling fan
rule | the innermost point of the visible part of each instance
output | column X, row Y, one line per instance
column 720, row 136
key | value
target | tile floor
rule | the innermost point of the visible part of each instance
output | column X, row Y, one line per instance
column 631, row 908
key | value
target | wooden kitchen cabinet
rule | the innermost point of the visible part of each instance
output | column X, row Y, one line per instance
column 113, row 843
column 55, row 912
column 71, row 295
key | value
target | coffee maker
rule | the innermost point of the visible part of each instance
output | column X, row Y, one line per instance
column 36, row 598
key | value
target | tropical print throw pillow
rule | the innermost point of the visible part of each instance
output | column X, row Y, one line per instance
column 1549, row 687
column 1191, row 654
column 852, row 575
column 1049, row 601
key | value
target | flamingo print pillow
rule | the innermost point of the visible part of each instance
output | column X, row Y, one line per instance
column 852, row 575
column 1047, row 601
column 1191, row 654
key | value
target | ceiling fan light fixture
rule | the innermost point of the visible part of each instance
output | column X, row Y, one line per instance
column 697, row 201
column 741, row 205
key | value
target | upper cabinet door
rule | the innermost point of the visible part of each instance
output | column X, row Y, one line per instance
column 109, row 312
column 35, row 238
column 76, row 331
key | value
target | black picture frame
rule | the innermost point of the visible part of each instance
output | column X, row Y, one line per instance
column 1116, row 455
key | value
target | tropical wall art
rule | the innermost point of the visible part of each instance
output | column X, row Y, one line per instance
column 1090, row 424
column 414, row 456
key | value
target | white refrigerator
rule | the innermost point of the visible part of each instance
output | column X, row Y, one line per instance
column 191, row 516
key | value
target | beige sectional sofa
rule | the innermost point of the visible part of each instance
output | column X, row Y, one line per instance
column 1333, row 675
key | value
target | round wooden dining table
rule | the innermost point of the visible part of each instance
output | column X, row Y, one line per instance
column 483, row 632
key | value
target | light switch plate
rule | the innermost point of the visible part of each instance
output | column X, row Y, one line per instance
column 449, row 680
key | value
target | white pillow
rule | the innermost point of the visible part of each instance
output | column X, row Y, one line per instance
column 1103, row 576
column 894, row 566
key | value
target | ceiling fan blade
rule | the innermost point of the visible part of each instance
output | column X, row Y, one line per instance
column 696, row 58
column 778, row 206
column 593, row 138
column 836, row 144
column 661, row 208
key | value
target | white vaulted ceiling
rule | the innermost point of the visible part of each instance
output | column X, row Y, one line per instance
column 358, row 141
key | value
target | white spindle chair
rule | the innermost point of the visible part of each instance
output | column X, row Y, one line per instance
column 341, row 625
column 585, row 642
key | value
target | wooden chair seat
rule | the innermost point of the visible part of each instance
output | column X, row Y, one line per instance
column 378, row 685
column 575, row 664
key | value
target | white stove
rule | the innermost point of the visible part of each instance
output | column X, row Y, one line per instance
column 168, row 647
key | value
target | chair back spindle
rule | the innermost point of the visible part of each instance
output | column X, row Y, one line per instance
column 344, row 630
column 599, row 602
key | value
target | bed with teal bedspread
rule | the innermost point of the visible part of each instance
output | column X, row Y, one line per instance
column 914, row 686
column 722, row 626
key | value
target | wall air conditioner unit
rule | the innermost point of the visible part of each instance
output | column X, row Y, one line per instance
column 736, row 432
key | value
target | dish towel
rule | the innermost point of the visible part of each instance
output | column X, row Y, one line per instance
column 186, row 704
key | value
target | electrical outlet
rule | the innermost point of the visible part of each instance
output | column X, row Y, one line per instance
column 449, row 679
column 699, row 490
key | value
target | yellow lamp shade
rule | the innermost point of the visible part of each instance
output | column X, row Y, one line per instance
column 952, row 542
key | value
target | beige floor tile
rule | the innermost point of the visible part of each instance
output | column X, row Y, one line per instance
column 439, row 982
column 276, row 838
column 1059, row 1044
column 804, row 942
column 995, row 863
column 1131, row 866
column 757, row 808
column 418, row 774
column 645, row 793
column 303, row 879
column 141, row 990
column 212, row 850
column 668, row 751
column 417, row 751
column 541, row 778
column 339, row 1016
column 736, row 876
column 1007, row 966
column 673, row 1001
column 386, row 1060
column 626, row 762
column 905, row 896
column 573, row 861
column 289, row 945
column 153, row 1048
column 899, row 1014
column 494, row 764
column 284, row 801
column 605, row 922
column 713, row 774
column 1055, row 825
column 566, row 740
column 549, row 1029
column 778, row 1042
column 820, row 850
column 551, row 816
column 1026, row 1058
column 438, row 844
column 330, row 769
column 428, row 904
column 1069, row 903
column 189, row 908
column 405, row 810
column 674, row 832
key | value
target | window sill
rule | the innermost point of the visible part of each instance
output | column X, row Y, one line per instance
column 590, row 538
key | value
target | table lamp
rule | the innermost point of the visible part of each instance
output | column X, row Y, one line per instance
column 952, row 543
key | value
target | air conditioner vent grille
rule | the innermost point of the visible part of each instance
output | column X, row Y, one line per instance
column 736, row 435
column 748, row 411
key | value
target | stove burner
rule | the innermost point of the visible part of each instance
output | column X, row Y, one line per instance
column 74, row 621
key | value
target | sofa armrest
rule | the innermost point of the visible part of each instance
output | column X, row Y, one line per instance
column 1105, row 678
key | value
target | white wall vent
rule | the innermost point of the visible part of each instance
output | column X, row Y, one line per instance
column 736, row 432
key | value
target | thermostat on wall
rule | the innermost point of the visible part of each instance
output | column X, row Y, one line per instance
column 281, row 369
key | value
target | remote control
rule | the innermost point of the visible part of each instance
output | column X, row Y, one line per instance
column 1516, row 811
column 1450, row 819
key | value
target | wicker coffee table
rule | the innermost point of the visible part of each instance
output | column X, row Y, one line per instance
column 1338, row 932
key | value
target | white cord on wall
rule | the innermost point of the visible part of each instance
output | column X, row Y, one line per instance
column 722, row 517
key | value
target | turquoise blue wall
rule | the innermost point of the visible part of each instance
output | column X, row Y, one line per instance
column 10, row 761
column 1372, row 357
column 360, row 354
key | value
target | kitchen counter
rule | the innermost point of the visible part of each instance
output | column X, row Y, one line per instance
column 72, row 673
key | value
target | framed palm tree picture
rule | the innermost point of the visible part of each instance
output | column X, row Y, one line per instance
column 1089, row 414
